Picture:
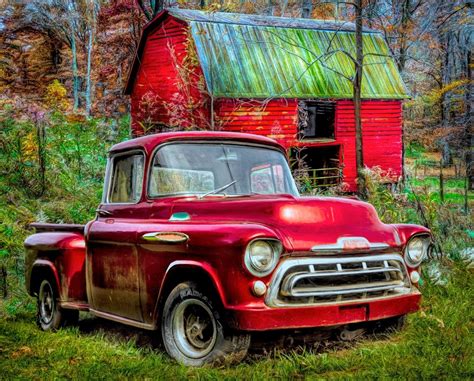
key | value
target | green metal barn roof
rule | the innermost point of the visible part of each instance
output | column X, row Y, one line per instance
column 248, row 56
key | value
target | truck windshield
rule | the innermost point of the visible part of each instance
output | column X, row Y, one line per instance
column 203, row 168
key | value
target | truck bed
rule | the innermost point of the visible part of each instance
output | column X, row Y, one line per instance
column 48, row 227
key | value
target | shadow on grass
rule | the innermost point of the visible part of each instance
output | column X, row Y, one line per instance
column 92, row 326
column 263, row 345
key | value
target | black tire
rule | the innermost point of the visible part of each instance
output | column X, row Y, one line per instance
column 397, row 323
column 193, row 342
column 50, row 316
column 394, row 324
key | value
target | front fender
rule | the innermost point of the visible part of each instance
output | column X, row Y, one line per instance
column 205, row 267
column 406, row 231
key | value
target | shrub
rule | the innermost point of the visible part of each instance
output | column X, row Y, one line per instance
column 51, row 168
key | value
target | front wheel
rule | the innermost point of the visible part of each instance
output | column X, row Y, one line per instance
column 193, row 332
column 50, row 316
column 389, row 325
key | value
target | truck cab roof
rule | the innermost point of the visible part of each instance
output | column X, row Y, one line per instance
column 149, row 142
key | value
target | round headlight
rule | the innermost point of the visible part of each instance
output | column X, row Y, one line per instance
column 261, row 256
column 416, row 251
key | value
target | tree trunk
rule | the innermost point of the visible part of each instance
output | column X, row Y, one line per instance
column 283, row 5
column 88, row 73
column 405, row 20
column 75, row 77
column 41, row 139
column 307, row 9
column 468, row 139
column 270, row 8
column 357, row 85
column 3, row 271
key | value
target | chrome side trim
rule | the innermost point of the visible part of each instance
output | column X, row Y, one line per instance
column 122, row 320
column 74, row 306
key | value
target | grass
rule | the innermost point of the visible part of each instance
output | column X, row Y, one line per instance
column 454, row 189
column 436, row 344
column 414, row 151
column 433, row 181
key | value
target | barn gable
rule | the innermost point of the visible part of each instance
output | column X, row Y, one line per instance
column 249, row 56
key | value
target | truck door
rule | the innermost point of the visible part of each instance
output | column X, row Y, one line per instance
column 112, row 259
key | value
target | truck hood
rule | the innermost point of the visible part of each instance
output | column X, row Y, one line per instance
column 301, row 222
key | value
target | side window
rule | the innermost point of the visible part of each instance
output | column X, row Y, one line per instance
column 127, row 179
column 267, row 179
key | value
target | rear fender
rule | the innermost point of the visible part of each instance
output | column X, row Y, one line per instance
column 41, row 269
column 60, row 255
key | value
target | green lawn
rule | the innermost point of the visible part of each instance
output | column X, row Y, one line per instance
column 432, row 181
column 436, row 344
column 454, row 192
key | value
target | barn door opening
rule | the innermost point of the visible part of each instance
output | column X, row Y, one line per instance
column 316, row 120
column 317, row 167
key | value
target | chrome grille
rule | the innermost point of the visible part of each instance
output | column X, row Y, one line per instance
column 318, row 280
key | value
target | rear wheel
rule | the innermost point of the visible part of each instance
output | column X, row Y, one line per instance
column 50, row 316
column 193, row 332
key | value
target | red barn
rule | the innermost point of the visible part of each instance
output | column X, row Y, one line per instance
column 285, row 78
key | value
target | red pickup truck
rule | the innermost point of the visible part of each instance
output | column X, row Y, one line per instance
column 204, row 237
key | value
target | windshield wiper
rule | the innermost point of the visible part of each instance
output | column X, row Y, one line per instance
column 217, row 190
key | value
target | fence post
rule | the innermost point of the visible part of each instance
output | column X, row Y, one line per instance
column 3, row 272
column 466, row 193
column 441, row 180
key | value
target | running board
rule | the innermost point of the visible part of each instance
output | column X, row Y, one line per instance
column 74, row 306
column 122, row 320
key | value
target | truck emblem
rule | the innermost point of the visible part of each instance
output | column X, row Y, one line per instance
column 350, row 243
column 180, row 216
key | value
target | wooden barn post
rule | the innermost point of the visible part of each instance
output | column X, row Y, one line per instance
column 357, row 84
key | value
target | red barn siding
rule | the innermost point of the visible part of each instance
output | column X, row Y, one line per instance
column 158, row 74
column 276, row 119
column 382, row 136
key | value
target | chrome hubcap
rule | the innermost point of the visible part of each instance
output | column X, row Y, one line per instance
column 194, row 328
column 46, row 303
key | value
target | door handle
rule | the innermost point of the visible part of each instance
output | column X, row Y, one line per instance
column 166, row 237
column 103, row 213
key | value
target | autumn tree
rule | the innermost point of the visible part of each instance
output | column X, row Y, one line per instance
column 151, row 7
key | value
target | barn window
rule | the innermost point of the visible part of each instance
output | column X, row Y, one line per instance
column 316, row 120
